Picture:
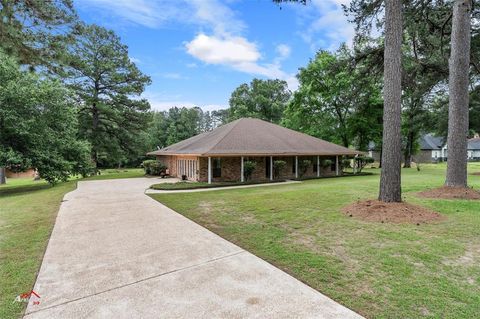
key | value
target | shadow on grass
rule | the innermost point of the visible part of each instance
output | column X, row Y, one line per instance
column 22, row 189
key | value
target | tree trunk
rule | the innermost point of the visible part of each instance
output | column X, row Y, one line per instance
column 458, row 95
column 3, row 177
column 95, row 121
column 390, row 180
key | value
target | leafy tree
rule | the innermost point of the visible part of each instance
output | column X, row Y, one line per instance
column 264, row 99
column 38, row 125
column 336, row 101
column 35, row 32
column 458, row 92
column 108, row 85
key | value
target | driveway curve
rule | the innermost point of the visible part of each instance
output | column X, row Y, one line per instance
column 116, row 253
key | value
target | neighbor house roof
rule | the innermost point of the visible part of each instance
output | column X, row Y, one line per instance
column 250, row 137
column 474, row 144
column 430, row 142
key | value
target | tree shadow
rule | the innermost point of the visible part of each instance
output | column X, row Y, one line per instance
column 22, row 189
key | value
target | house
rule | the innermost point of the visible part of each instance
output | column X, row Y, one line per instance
column 433, row 149
column 219, row 155
column 473, row 148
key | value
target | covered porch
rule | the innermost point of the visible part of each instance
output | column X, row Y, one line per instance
column 232, row 168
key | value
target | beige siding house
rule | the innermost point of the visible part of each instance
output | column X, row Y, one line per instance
column 219, row 155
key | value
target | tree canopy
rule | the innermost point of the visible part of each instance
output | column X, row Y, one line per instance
column 38, row 125
column 264, row 99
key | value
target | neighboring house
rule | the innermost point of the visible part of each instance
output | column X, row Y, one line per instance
column 474, row 148
column 432, row 149
column 219, row 155
column 28, row 173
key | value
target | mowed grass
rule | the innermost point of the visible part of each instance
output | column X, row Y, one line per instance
column 27, row 214
column 379, row 270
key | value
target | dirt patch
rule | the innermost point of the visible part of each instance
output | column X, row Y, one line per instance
column 476, row 173
column 397, row 213
column 451, row 193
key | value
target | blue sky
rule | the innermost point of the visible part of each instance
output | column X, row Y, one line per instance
column 198, row 51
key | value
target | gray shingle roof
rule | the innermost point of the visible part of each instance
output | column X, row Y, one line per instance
column 248, row 136
column 474, row 144
column 430, row 142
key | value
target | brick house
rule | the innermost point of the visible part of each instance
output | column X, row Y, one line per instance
column 219, row 155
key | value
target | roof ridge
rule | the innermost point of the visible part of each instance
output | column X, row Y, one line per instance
column 234, row 124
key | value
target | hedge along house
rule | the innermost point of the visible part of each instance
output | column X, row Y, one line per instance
column 219, row 155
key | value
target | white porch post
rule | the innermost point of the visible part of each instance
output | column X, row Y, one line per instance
column 242, row 178
column 271, row 168
column 336, row 165
column 296, row 166
column 355, row 164
column 318, row 166
column 209, row 170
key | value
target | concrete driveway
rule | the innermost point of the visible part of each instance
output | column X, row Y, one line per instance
column 117, row 253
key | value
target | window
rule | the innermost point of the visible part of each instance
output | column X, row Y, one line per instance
column 293, row 166
column 217, row 167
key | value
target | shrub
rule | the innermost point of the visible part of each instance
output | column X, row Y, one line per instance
column 153, row 167
column 303, row 166
column 346, row 163
column 362, row 161
column 278, row 166
column 248, row 168
column 326, row 163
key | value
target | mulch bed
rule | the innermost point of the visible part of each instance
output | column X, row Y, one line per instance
column 446, row 192
column 396, row 213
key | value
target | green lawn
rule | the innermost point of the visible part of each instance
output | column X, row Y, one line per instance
column 27, row 214
column 379, row 270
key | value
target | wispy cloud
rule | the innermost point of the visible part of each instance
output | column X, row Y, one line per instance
column 325, row 27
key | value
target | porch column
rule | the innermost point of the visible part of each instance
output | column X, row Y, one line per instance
column 242, row 178
column 355, row 164
column 296, row 166
column 209, row 170
column 318, row 166
column 271, row 168
column 336, row 165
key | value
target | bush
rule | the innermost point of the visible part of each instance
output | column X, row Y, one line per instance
column 303, row 165
column 153, row 167
column 326, row 163
column 346, row 163
column 248, row 168
column 362, row 161
column 278, row 166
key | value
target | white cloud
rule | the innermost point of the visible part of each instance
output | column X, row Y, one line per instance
column 220, row 42
column 218, row 50
column 162, row 101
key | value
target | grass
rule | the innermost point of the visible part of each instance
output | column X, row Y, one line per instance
column 379, row 270
column 27, row 214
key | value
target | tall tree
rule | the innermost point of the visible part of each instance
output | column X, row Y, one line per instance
column 108, row 85
column 38, row 125
column 458, row 95
column 390, row 179
column 264, row 99
column 35, row 32
column 335, row 101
